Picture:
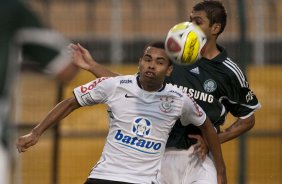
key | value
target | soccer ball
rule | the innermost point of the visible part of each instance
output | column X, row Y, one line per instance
column 185, row 43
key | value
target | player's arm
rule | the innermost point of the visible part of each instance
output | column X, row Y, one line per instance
column 237, row 128
column 212, row 139
column 83, row 59
column 241, row 102
column 60, row 111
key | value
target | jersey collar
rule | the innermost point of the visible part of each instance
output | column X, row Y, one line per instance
column 140, row 86
column 221, row 56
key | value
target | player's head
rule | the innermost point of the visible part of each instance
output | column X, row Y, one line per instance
column 154, row 65
column 211, row 16
column 158, row 45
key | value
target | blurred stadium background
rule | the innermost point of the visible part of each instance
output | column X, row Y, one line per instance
column 115, row 31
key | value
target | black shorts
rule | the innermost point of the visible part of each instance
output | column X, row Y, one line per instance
column 101, row 181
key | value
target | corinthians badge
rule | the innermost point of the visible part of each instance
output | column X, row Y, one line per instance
column 166, row 103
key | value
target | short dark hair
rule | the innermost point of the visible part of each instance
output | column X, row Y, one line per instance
column 215, row 11
column 159, row 45
column 156, row 44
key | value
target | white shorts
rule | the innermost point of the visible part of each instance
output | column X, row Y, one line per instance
column 181, row 166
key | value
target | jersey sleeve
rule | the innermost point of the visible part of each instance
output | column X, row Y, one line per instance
column 240, row 101
column 45, row 49
column 95, row 92
column 192, row 113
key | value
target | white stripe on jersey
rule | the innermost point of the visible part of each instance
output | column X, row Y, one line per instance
column 248, row 115
column 49, row 39
column 223, row 110
column 237, row 71
column 245, row 105
column 234, row 65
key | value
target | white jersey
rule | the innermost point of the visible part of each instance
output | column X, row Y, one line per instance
column 140, row 122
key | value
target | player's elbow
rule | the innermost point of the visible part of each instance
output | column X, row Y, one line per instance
column 252, row 121
column 249, row 122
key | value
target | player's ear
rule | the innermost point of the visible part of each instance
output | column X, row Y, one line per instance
column 216, row 27
column 169, row 70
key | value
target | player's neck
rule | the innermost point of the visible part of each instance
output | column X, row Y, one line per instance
column 211, row 51
column 151, row 88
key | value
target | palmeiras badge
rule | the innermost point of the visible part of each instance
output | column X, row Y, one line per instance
column 210, row 85
column 166, row 104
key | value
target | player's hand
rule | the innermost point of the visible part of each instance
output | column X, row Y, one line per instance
column 24, row 142
column 81, row 56
column 200, row 148
column 77, row 56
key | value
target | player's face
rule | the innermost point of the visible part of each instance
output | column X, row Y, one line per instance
column 200, row 18
column 154, row 66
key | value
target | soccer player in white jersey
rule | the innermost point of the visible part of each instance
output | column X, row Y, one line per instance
column 143, row 109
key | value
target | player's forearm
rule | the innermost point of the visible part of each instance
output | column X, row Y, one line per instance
column 239, row 127
column 214, row 146
column 59, row 112
column 67, row 73
column 100, row 71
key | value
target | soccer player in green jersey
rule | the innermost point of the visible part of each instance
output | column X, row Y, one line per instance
column 217, row 76
column 214, row 77
column 22, row 32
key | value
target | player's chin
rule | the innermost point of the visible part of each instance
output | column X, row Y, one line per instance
column 150, row 79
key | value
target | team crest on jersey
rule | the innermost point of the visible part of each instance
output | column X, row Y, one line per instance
column 141, row 127
column 250, row 96
column 166, row 104
column 139, row 137
column 210, row 85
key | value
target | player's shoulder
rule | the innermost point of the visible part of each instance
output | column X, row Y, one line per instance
column 230, row 66
column 111, row 80
column 234, row 71
column 122, row 80
column 111, row 83
column 125, row 79
column 174, row 90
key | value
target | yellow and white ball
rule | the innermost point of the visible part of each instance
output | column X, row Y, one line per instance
column 185, row 43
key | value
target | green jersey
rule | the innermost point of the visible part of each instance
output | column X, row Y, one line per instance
column 22, row 33
column 218, row 86
column 13, row 16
